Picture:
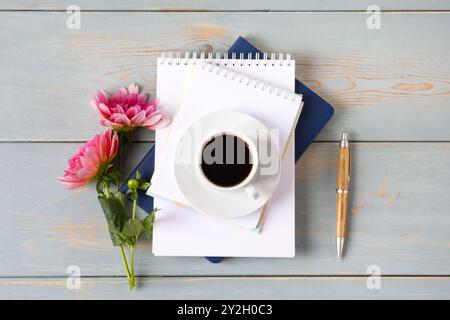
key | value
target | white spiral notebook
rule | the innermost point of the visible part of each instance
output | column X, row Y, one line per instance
column 260, row 87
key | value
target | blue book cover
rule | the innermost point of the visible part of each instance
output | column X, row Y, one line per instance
column 315, row 114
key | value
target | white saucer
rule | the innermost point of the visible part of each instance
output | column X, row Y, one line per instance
column 220, row 204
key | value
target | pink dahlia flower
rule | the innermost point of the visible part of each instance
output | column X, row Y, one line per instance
column 91, row 160
column 127, row 109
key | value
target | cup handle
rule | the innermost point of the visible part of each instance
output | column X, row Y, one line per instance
column 252, row 192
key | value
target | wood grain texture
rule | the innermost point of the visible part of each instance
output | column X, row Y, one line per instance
column 388, row 84
column 229, row 288
column 399, row 216
column 342, row 188
column 234, row 5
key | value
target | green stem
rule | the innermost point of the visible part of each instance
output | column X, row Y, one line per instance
column 132, row 247
column 133, row 215
column 127, row 270
column 132, row 261
column 107, row 190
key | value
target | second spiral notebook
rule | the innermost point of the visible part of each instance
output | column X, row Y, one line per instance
column 210, row 86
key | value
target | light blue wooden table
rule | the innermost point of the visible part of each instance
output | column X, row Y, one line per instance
column 390, row 88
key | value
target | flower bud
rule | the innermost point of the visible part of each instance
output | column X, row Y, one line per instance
column 133, row 184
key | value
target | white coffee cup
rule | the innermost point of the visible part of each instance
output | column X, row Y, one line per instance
column 245, row 184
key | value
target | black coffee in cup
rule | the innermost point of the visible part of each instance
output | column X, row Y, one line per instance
column 226, row 160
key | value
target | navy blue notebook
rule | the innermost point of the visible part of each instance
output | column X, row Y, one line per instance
column 315, row 114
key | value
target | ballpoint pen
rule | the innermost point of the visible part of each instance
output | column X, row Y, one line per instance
column 342, row 185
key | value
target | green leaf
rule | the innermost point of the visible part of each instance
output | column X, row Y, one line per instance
column 113, row 176
column 147, row 223
column 130, row 241
column 133, row 228
column 138, row 175
column 115, row 214
column 99, row 186
column 144, row 186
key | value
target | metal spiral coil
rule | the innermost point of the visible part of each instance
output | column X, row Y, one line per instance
column 226, row 58
column 217, row 62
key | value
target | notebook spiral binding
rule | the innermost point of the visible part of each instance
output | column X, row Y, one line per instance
column 225, row 58
column 215, row 63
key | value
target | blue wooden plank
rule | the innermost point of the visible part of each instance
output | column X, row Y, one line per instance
column 183, row 288
column 235, row 5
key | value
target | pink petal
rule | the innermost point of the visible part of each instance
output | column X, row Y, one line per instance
column 94, row 105
column 103, row 147
column 138, row 118
column 86, row 174
column 67, row 179
column 101, row 109
column 161, row 124
column 106, row 123
column 154, row 118
column 88, row 164
column 133, row 88
column 132, row 112
column 118, row 109
column 154, row 102
column 119, row 96
column 151, row 110
column 114, row 146
column 103, row 96
column 142, row 98
column 72, row 185
column 104, row 109
column 90, row 158
column 120, row 118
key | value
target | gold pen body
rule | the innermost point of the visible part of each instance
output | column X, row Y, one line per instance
column 342, row 187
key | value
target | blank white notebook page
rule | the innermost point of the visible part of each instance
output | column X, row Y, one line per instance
column 180, row 232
